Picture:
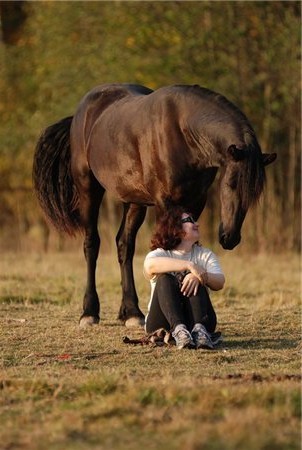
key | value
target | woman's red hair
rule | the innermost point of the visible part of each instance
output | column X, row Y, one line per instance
column 168, row 229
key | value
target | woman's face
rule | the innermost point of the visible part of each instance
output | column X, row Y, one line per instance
column 190, row 227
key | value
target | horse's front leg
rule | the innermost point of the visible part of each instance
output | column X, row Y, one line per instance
column 89, row 207
column 133, row 218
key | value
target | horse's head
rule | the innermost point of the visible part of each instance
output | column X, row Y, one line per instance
column 242, row 181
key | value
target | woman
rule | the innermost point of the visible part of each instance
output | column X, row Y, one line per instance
column 180, row 272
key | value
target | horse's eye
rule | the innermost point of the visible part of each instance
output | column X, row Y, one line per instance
column 233, row 182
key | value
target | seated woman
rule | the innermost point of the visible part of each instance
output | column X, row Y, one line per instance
column 180, row 271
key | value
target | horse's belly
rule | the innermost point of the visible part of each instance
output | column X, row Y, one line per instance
column 132, row 163
column 125, row 183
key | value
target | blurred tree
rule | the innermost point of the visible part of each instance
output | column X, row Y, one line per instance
column 13, row 16
column 52, row 53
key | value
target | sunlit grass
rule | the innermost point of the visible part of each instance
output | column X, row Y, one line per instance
column 66, row 388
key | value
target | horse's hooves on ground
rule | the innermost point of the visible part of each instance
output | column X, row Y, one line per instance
column 88, row 321
column 135, row 322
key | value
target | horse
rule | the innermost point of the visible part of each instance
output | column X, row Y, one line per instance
column 146, row 147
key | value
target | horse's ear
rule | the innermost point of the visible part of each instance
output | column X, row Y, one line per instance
column 268, row 158
column 237, row 154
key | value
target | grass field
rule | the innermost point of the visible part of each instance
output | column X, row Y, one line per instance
column 64, row 388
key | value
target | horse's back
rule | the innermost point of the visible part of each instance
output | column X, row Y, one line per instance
column 168, row 106
column 140, row 143
column 102, row 96
column 129, row 144
column 97, row 100
column 89, row 110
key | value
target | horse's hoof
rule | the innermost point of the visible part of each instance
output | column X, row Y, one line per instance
column 88, row 321
column 134, row 322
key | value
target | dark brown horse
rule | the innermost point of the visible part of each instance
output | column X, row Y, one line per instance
column 146, row 148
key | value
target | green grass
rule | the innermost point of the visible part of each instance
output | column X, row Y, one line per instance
column 66, row 388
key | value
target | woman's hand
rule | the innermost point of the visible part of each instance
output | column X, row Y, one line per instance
column 214, row 281
column 197, row 271
column 189, row 285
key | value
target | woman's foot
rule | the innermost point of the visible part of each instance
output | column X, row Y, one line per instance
column 182, row 337
column 201, row 337
column 216, row 337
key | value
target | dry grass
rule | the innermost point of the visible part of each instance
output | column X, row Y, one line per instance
column 66, row 388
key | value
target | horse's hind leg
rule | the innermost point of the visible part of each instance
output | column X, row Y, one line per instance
column 90, row 194
column 133, row 218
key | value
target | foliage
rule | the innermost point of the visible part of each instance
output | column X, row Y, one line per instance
column 248, row 51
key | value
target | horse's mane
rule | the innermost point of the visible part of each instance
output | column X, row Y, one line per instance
column 252, row 178
column 221, row 100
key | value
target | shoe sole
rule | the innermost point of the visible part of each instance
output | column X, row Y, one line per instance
column 189, row 344
column 216, row 338
column 217, row 341
column 204, row 342
column 205, row 346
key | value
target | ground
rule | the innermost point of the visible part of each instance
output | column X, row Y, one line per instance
column 62, row 387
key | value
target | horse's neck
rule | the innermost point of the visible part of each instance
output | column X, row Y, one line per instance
column 204, row 149
column 210, row 134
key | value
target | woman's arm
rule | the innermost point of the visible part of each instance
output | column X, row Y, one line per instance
column 190, row 283
column 161, row 264
column 214, row 281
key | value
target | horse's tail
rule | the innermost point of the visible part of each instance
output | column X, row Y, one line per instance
column 52, row 178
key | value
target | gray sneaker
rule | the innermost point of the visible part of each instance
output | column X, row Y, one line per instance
column 216, row 337
column 183, row 338
column 201, row 337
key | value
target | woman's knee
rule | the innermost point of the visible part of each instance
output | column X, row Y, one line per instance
column 165, row 279
column 202, row 291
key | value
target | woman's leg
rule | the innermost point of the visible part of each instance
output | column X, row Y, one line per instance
column 166, row 309
column 199, row 309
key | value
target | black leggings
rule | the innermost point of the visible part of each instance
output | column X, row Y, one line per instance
column 169, row 307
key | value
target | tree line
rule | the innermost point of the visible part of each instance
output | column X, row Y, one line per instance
column 52, row 53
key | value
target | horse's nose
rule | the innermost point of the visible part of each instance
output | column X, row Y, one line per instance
column 229, row 243
column 228, row 240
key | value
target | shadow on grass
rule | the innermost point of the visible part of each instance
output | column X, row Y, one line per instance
column 262, row 343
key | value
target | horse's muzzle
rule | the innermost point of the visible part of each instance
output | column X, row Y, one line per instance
column 228, row 240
